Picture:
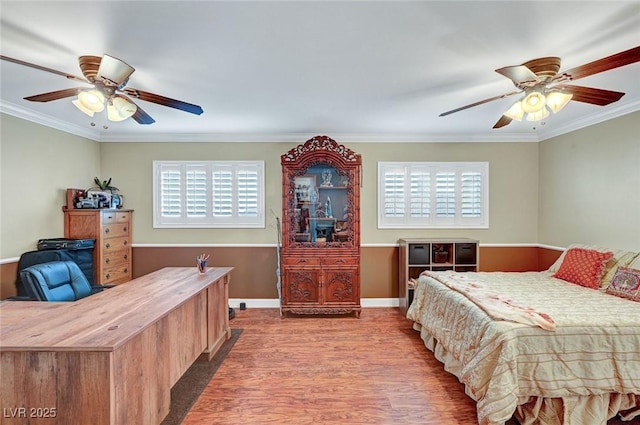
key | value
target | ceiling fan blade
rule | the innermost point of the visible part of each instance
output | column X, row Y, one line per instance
column 54, row 95
column 114, row 71
column 610, row 62
column 142, row 117
column 518, row 74
column 471, row 105
column 43, row 68
column 165, row 101
column 592, row 95
column 504, row 120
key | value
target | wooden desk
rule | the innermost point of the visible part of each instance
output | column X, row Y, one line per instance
column 111, row 358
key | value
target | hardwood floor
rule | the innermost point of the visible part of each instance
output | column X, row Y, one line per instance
column 331, row 371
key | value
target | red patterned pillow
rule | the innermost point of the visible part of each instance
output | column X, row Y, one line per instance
column 583, row 267
column 626, row 284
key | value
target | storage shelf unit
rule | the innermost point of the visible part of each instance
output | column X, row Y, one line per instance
column 417, row 255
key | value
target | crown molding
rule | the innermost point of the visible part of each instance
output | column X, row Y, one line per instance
column 47, row 120
column 613, row 111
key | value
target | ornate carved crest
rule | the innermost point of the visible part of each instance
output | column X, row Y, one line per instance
column 321, row 143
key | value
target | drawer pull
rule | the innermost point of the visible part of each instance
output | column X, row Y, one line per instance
column 125, row 242
column 107, row 230
column 125, row 229
column 126, row 270
column 107, row 260
column 126, row 256
column 108, row 276
column 108, row 245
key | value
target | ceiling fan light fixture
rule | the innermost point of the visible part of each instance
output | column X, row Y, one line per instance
column 515, row 112
column 557, row 100
column 533, row 102
column 119, row 108
column 92, row 100
column 80, row 106
column 539, row 115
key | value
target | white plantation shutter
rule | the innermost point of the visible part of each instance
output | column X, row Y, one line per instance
column 471, row 194
column 445, row 194
column 433, row 194
column 196, row 191
column 209, row 194
column 222, row 181
column 248, row 192
column 170, row 192
column 420, row 193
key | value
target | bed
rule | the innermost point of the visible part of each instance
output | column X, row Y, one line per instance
column 536, row 347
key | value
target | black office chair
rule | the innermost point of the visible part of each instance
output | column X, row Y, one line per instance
column 57, row 281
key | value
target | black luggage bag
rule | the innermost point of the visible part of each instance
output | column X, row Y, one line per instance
column 64, row 243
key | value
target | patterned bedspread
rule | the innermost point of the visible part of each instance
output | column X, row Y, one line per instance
column 591, row 362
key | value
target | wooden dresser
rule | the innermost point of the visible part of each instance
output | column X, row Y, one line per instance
column 112, row 231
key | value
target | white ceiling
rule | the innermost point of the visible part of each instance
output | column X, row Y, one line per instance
column 353, row 70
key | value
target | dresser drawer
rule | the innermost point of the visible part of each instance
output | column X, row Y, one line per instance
column 117, row 274
column 115, row 258
column 115, row 244
column 108, row 217
column 115, row 230
column 123, row 217
column 301, row 261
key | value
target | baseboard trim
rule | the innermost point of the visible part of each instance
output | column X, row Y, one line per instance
column 275, row 303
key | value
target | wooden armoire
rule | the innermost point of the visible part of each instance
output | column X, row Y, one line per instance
column 320, row 270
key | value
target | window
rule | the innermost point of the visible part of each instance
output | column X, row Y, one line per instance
column 208, row 194
column 413, row 195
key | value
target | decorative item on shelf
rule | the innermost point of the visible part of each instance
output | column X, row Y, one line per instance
column 327, row 176
column 440, row 255
column 304, row 187
column 344, row 181
column 314, row 196
column 327, row 208
column 201, row 262
column 107, row 194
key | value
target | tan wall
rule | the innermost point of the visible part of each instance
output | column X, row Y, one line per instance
column 590, row 186
column 513, row 187
column 576, row 188
column 37, row 165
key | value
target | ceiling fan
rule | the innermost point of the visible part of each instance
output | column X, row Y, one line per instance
column 545, row 88
column 108, row 76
